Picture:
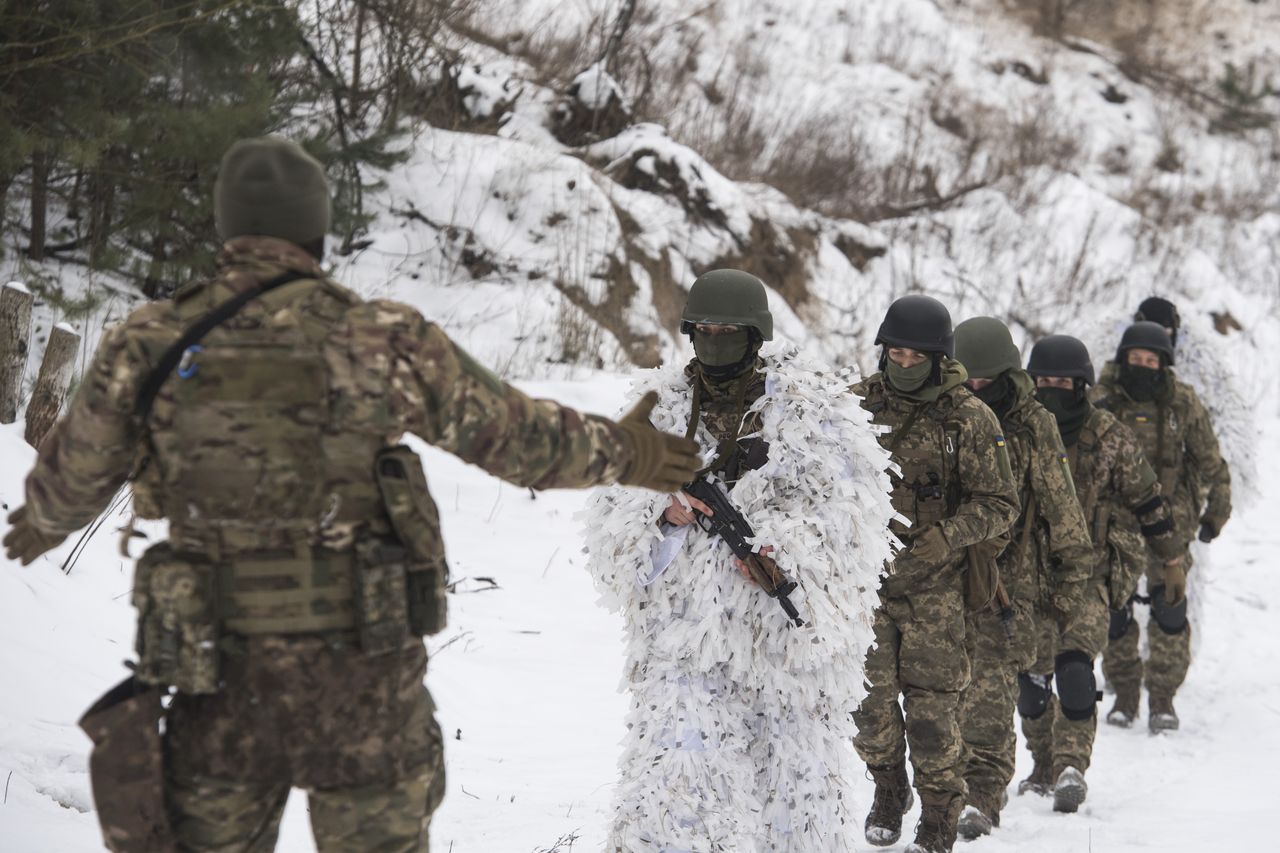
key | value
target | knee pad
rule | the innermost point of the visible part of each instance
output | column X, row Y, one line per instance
column 1120, row 620
column 1077, row 687
column 1033, row 695
column 1171, row 619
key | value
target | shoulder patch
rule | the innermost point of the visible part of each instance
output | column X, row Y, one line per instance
column 999, row 441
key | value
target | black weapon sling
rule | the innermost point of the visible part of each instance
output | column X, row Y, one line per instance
column 195, row 333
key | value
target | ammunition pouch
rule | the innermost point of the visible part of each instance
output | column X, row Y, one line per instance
column 416, row 522
column 126, row 768
column 178, row 627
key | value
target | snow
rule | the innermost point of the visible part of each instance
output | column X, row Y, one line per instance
column 594, row 88
column 18, row 286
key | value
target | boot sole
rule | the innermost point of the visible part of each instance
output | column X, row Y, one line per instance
column 1069, row 798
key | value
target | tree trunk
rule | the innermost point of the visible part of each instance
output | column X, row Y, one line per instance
column 15, row 341
column 51, row 384
column 39, row 203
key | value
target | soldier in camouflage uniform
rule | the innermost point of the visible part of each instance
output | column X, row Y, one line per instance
column 288, row 604
column 956, row 490
column 1142, row 391
column 1126, row 513
column 1044, row 570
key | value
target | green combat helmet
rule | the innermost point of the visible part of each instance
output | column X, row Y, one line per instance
column 1146, row 335
column 730, row 298
column 272, row 188
column 985, row 348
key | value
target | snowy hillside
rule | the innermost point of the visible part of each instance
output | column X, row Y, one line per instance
column 1052, row 173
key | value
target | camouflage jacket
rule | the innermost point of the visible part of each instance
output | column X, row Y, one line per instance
column 952, row 470
column 1051, row 545
column 723, row 408
column 268, row 437
column 1178, row 441
column 1122, row 503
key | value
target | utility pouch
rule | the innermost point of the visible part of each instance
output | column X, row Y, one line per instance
column 982, row 573
column 178, row 631
column 416, row 521
column 382, row 618
column 126, row 768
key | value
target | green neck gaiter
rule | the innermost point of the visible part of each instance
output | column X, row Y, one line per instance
column 912, row 382
column 1069, row 406
column 723, row 356
column 1143, row 384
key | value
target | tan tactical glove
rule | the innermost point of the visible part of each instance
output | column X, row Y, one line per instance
column 931, row 546
column 1175, row 582
column 659, row 460
column 24, row 542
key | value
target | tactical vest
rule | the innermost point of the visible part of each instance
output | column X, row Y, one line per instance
column 265, row 467
column 924, row 442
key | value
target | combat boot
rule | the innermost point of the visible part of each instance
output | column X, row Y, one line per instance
column 893, row 799
column 1125, row 710
column 980, row 815
column 1040, row 780
column 936, row 831
column 1162, row 716
column 1069, row 791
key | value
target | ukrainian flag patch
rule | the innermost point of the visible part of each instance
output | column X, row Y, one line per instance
column 999, row 441
column 1142, row 419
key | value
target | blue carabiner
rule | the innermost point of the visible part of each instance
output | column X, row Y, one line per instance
column 188, row 367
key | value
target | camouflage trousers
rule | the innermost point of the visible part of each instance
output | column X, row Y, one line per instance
column 356, row 732
column 987, row 705
column 918, row 654
column 1055, row 741
column 1170, row 654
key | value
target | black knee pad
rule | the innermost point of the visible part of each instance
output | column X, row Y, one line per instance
column 1033, row 695
column 1077, row 687
column 1120, row 621
column 1172, row 619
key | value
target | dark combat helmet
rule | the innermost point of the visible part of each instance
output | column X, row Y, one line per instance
column 1146, row 335
column 1061, row 355
column 918, row 322
column 985, row 348
column 730, row 298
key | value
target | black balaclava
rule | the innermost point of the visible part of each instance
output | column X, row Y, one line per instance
column 1143, row 384
column 723, row 357
column 1070, row 406
column 998, row 395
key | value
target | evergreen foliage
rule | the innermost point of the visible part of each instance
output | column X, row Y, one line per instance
column 118, row 112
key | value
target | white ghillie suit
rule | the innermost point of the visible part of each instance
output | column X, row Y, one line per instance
column 740, row 731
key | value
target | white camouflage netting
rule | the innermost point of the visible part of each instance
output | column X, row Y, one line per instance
column 739, row 731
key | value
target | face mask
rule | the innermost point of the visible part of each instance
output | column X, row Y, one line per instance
column 724, row 356
column 908, row 379
column 1069, row 406
column 998, row 395
column 1144, row 384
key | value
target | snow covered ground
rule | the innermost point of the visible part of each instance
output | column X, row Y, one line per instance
column 527, row 674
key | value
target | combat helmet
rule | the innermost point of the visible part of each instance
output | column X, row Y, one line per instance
column 730, row 298
column 1061, row 355
column 985, row 348
column 273, row 188
column 918, row 322
column 1146, row 335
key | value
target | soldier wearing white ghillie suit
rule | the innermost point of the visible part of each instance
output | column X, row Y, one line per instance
column 739, row 734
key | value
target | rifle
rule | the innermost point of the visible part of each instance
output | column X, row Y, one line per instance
column 729, row 525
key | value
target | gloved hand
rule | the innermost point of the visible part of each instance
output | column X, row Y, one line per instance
column 1175, row 582
column 931, row 546
column 1209, row 529
column 659, row 460
column 24, row 542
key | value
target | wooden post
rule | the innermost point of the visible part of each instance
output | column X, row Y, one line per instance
column 51, row 384
column 15, row 341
